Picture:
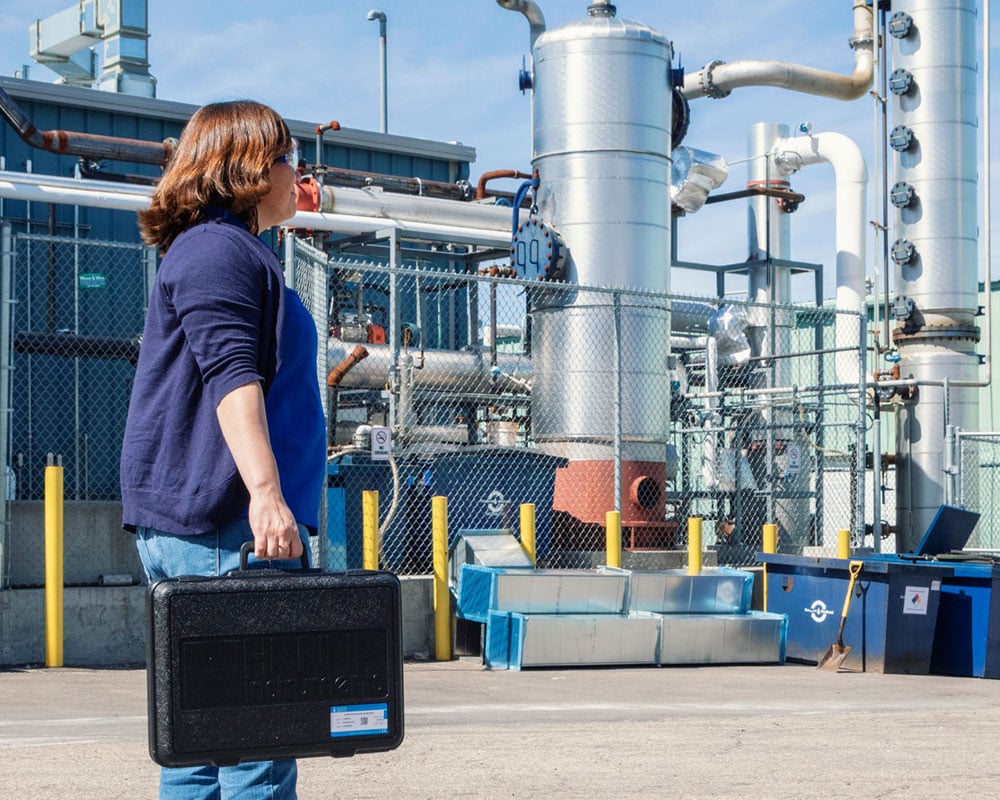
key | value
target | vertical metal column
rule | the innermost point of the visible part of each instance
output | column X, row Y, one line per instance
column 6, row 271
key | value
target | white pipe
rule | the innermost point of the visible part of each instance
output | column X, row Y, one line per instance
column 717, row 79
column 414, row 208
column 851, row 186
column 426, row 216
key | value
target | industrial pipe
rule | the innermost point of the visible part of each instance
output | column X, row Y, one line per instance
column 717, row 79
column 332, row 125
column 375, row 14
column 48, row 189
column 85, row 145
column 531, row 12
column 486, row 177
column 851, row 187
column 359, row 353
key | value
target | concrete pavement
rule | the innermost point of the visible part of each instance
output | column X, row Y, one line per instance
column 709, row 732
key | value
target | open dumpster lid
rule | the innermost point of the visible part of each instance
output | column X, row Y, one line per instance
column 949, row 530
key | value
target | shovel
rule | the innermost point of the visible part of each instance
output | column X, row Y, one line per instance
column 838, row 651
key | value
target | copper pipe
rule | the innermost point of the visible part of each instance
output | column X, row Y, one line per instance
column 338, row 372
column 496, row 173
column 85, row 145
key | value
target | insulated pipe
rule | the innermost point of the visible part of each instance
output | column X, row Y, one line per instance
column 442, row 369
column 717, row 79
column 373, row 203
column 85, row 145
column 532, row 13
column 494, row 229
column 851, row 182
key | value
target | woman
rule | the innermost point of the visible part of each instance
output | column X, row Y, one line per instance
column 225, row 439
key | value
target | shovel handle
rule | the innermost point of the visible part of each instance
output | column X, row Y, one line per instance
column 855, row 569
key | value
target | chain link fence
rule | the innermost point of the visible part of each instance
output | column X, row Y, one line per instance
column 76, row 323
column 500, row 392
column 978, row 484
column 497, row 391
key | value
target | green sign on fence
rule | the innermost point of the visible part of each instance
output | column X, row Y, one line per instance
column 93, row 280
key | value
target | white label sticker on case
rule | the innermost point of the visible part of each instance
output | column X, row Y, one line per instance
column 363, row 720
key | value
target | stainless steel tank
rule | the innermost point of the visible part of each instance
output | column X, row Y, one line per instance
column 601, row 145
column 933, row 91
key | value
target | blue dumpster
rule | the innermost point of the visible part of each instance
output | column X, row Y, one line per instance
column 892, row 617
column 485, row 486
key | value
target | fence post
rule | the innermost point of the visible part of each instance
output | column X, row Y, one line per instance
column 442, row 599
column 6, row 273
column 53, row 561
column 369, row 530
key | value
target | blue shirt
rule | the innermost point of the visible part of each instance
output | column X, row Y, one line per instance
column 295, row 418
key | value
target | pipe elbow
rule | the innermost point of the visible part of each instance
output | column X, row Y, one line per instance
column 531, row 12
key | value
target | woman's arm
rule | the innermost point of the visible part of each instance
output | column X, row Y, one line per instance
column 244, row 427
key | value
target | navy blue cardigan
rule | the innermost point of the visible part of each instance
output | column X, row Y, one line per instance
column 212, row 326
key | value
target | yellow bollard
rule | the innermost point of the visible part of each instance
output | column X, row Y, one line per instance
column 54, row 562
column 769, row 545
column 770, row 538
column 613, row 523
column 528, row 531
column 442, row 598
column 843, row 544
column 369, row 530
column 694, row 546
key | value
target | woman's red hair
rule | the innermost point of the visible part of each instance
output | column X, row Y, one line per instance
column 223, row 159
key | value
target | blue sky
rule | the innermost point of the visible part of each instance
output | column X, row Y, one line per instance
column 453, row 68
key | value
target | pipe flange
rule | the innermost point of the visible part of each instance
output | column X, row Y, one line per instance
column 951, row 333
column 865, row 40
column 900, row 24
column 708, row 86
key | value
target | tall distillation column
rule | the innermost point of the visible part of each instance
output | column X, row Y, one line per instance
column 601, row 110
column 934, row 138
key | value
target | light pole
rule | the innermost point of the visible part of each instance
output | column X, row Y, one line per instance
column 380, row 16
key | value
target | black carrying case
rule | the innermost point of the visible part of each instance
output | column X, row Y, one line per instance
column 262, row 664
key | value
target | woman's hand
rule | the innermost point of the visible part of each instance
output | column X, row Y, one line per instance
column 244, row 427
column 275, row 532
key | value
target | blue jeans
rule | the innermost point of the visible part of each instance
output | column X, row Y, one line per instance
column 165, row 555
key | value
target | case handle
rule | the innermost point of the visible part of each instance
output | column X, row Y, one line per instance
column 247, row 548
